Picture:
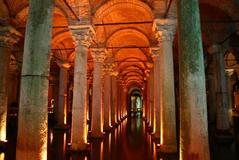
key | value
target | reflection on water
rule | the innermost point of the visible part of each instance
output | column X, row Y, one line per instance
column 128, row 141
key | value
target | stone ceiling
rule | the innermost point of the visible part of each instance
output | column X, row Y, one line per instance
column 124, row 27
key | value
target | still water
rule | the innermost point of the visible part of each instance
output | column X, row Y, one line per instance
column 128, row 141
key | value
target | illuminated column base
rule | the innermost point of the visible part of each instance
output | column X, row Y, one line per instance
column 33, row 108
column 79, row 107
column 193, row 107
column 97, row 110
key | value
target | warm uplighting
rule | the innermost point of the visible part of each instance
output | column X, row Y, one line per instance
column 3, row 127
column 101, row 151
column 2, row 156
column 65, row 109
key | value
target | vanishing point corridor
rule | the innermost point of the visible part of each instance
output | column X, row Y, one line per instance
column 119, row 79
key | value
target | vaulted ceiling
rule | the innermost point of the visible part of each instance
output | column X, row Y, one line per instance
column 124, row 27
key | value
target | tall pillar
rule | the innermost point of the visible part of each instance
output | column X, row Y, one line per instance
column 222, row 105
column 62, row 95
column 97, row 110
column 107, row 96
column 79, row 112
column 193, row 106
column 114, row 98
column 148, row 100
column 152, row 107
column 157, row 98
column 165, row 31
column 8, row 37
column 33, row 108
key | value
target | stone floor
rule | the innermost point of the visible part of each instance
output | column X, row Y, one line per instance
column 128, row 141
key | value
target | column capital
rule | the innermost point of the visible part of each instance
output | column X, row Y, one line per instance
column 83, row 34
column 99, row 54
column 63, row 64
column 114, row 73
column 155, row 53
column 9, row 36
column 164, row 29
column 214, row 49
column 108, row 67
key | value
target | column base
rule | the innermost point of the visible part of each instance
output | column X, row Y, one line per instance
column 224, row 136
column 3, row 146
column 62, row 127
column 150, row 129
column 167, row 149
column 107, row 129
column 155, row 136
column 99, row 135
column 83, row 149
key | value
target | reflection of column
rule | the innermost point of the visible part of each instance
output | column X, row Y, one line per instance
column 114, row 98
column 165, row 30
column 62, row 95
column 107, row 96
column 8, row 37
column 155, row 57
column 33, row 109
column 222, row 116
column 79, row 114
column 193, row 107
column 97, row 111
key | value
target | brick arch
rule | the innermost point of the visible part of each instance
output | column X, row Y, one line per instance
column 109, row 6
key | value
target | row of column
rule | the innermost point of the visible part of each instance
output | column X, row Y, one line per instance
column 32, row 140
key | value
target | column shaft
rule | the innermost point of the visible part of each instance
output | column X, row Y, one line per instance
column 157, row 97
column 114, row 101
column 97, row 110
column 62, row 100
column 152, row 107
column 193, row 107
column 33, row 109
column 4, row 65
column 166, row 30
column 107, row 102
column 79, row 105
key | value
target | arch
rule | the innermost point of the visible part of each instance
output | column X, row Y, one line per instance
column 109, row 6
column 127, row 31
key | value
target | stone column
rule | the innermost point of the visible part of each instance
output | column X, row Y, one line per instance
column 114, row 98
column 33, row 109
column 148, row 101
column 79, row 112
column 157, row 98
column 165, row 31
column 152, row 107
column 107, row 96
column 222, row 110
column 97, row 110
column 8, row 37
column 62, row 95
column 193, row 106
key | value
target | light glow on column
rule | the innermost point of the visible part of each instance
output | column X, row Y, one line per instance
column 3, row 124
